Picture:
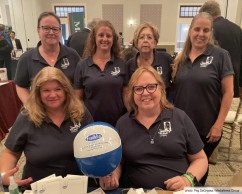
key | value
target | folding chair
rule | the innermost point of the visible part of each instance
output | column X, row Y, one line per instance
column 231, row 122
column 238, row 123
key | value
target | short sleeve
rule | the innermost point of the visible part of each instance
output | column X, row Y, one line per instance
column 78, row 78
column 226, row 67
column 18, row 134
column 22, row 77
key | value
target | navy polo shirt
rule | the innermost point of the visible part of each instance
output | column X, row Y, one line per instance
column 31, row 62
column 198, row 86
column 48, row 149
column 103, row 90
column 148, row 165
column 162, row 64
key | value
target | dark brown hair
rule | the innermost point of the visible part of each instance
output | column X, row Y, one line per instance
column 46, row 14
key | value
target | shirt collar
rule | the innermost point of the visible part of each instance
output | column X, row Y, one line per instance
column 91, row 63
column 207, row 52
column 154, row 53
column 164, row 114
column 37, row 57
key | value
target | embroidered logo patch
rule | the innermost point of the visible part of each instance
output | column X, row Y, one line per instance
column 208, row 61
column 65, row 63
column 116, row 71
column 159, row 70
column 167, row 129
column 75, row 128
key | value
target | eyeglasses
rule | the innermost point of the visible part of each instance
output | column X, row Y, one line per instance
column 150, row 88
column 47, row 29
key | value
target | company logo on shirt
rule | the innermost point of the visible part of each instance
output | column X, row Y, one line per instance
column 116, row 71
column 65, row 63
column 167, row 129
column 208, row 61
column 75, row 128
column 159, row 70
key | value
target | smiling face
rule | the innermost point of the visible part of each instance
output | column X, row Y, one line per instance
column 51, row 37
column 147, row 101
column 104, row 38
column 146, row 41
column 200, row 33
column 52, row 95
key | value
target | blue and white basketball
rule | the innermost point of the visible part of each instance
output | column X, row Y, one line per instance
column 97, row 149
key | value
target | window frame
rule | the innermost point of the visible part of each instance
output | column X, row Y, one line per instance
column 65, row 9
column 188, row 11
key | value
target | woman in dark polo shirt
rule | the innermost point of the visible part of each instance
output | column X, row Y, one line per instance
column 146, row 37
column 101, row 78
column 161, row 146
column 45, row 130
column 203, row 77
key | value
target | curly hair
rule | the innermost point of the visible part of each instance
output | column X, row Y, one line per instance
column 35, row 109
column 132, row 107
column 91, row 47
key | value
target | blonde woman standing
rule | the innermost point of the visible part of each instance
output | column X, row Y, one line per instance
column 203, row 77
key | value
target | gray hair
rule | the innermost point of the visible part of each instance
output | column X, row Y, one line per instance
column 211, row 7
column 93, row 23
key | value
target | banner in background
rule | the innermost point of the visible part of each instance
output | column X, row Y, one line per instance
column 76, row 22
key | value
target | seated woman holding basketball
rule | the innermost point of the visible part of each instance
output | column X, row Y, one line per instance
column 45, row 130
column 160, row 145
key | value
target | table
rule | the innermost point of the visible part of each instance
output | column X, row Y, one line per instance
column 10, row 105
column 116, row 191
column 119, row 191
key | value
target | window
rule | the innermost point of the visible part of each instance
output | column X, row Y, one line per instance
column 181, row 35
column 62, row 11
column 189, row 11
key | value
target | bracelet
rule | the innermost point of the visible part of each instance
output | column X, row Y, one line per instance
column 189, row 178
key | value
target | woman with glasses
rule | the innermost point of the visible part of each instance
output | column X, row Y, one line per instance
column 101, row 77
column 146, row 38
column 49, row 52
column 160, row 144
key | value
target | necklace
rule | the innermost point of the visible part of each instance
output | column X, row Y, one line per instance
column 152, row 140
column 49, row 56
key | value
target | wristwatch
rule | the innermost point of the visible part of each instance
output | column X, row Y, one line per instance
column 194, row 179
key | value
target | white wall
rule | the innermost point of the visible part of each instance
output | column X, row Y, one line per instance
column 1, row 15
column 132, row 9
column 3, row 12
column 231, row 14
column 24, row 15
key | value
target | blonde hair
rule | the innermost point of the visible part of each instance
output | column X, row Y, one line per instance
column 91, row 47
column 181, row 57
column 142, row 26
column 35, row 109
column 164, row 103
